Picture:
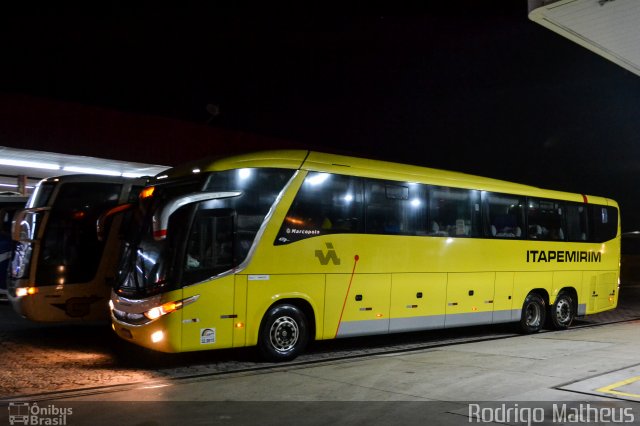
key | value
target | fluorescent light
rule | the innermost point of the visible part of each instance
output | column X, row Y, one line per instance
column 15, row 186
column 318, row 179
column 131, row 175
column 244, row 173
column 32, row 164
column 91, row 171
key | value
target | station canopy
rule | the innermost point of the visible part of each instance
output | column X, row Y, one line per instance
column 610, row 28
column 36, row 165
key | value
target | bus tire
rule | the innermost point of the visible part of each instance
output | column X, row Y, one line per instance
column 562, row 312
column 283, row 334
column 533, row 314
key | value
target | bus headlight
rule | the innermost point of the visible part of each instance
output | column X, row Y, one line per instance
column 167, row 308
column 26, row 291
column 159, row 311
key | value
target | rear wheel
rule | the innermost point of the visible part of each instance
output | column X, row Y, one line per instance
column 283, row 334
column 562, row 312
column 533, row 313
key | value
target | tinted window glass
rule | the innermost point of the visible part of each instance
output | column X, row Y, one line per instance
column 41, row 196
column 545, row 220
column 70, row 248
column 452, row 212
column 577, row 229
column 504, row 215
column 135, row 192
column 259, row 189
column 325, row 204
column 210, row 245
column 395, row 208
column 605, row 222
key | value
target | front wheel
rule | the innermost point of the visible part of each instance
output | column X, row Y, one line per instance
column 283, row 334
column 562, row 312
column 533, row 314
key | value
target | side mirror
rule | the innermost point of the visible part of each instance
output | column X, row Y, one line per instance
column 101, row 223
column 25, row 223
column 161, row 217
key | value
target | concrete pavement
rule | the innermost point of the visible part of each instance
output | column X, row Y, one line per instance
column 554, row 374
column 579, row 376
column 566, row 365
column 588, row 375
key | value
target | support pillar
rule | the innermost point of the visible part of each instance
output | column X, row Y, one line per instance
column 22, row 184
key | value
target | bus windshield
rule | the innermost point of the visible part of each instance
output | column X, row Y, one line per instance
column 204, row 236
column 69, row 246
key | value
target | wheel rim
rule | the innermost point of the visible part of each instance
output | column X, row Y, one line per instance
column 533, row 313
column 563, row 311
column 284, row 334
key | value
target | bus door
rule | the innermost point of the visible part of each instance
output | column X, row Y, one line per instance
column 209, row 254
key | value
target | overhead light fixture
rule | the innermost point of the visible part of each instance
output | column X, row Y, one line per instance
column 132, row 175
column 31, row 164
column 91, row 171
column 317, row 178
column 15, row 186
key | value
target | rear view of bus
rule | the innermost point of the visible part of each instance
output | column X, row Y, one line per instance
column 59, row 269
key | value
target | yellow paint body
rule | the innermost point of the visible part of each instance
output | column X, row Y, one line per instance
column 391, row 283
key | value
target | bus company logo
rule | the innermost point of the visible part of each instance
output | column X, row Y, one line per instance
column 32, row 414
column 563, row 256
column 330, row 255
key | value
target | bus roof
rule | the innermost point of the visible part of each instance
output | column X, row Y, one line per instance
column 332, row 163
column 92, row 178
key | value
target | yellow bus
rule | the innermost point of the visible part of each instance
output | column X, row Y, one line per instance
column 59, row 270
column 276, row 248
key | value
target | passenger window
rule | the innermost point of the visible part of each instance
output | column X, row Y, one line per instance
column 325, row 204
column 451, row 212
column 210, row 246
column 605, row 222
column 395, row 208
column 504, row 215
column 545, row 220
column 577, row 229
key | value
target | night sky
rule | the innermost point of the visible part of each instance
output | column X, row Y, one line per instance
column 476, row 88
